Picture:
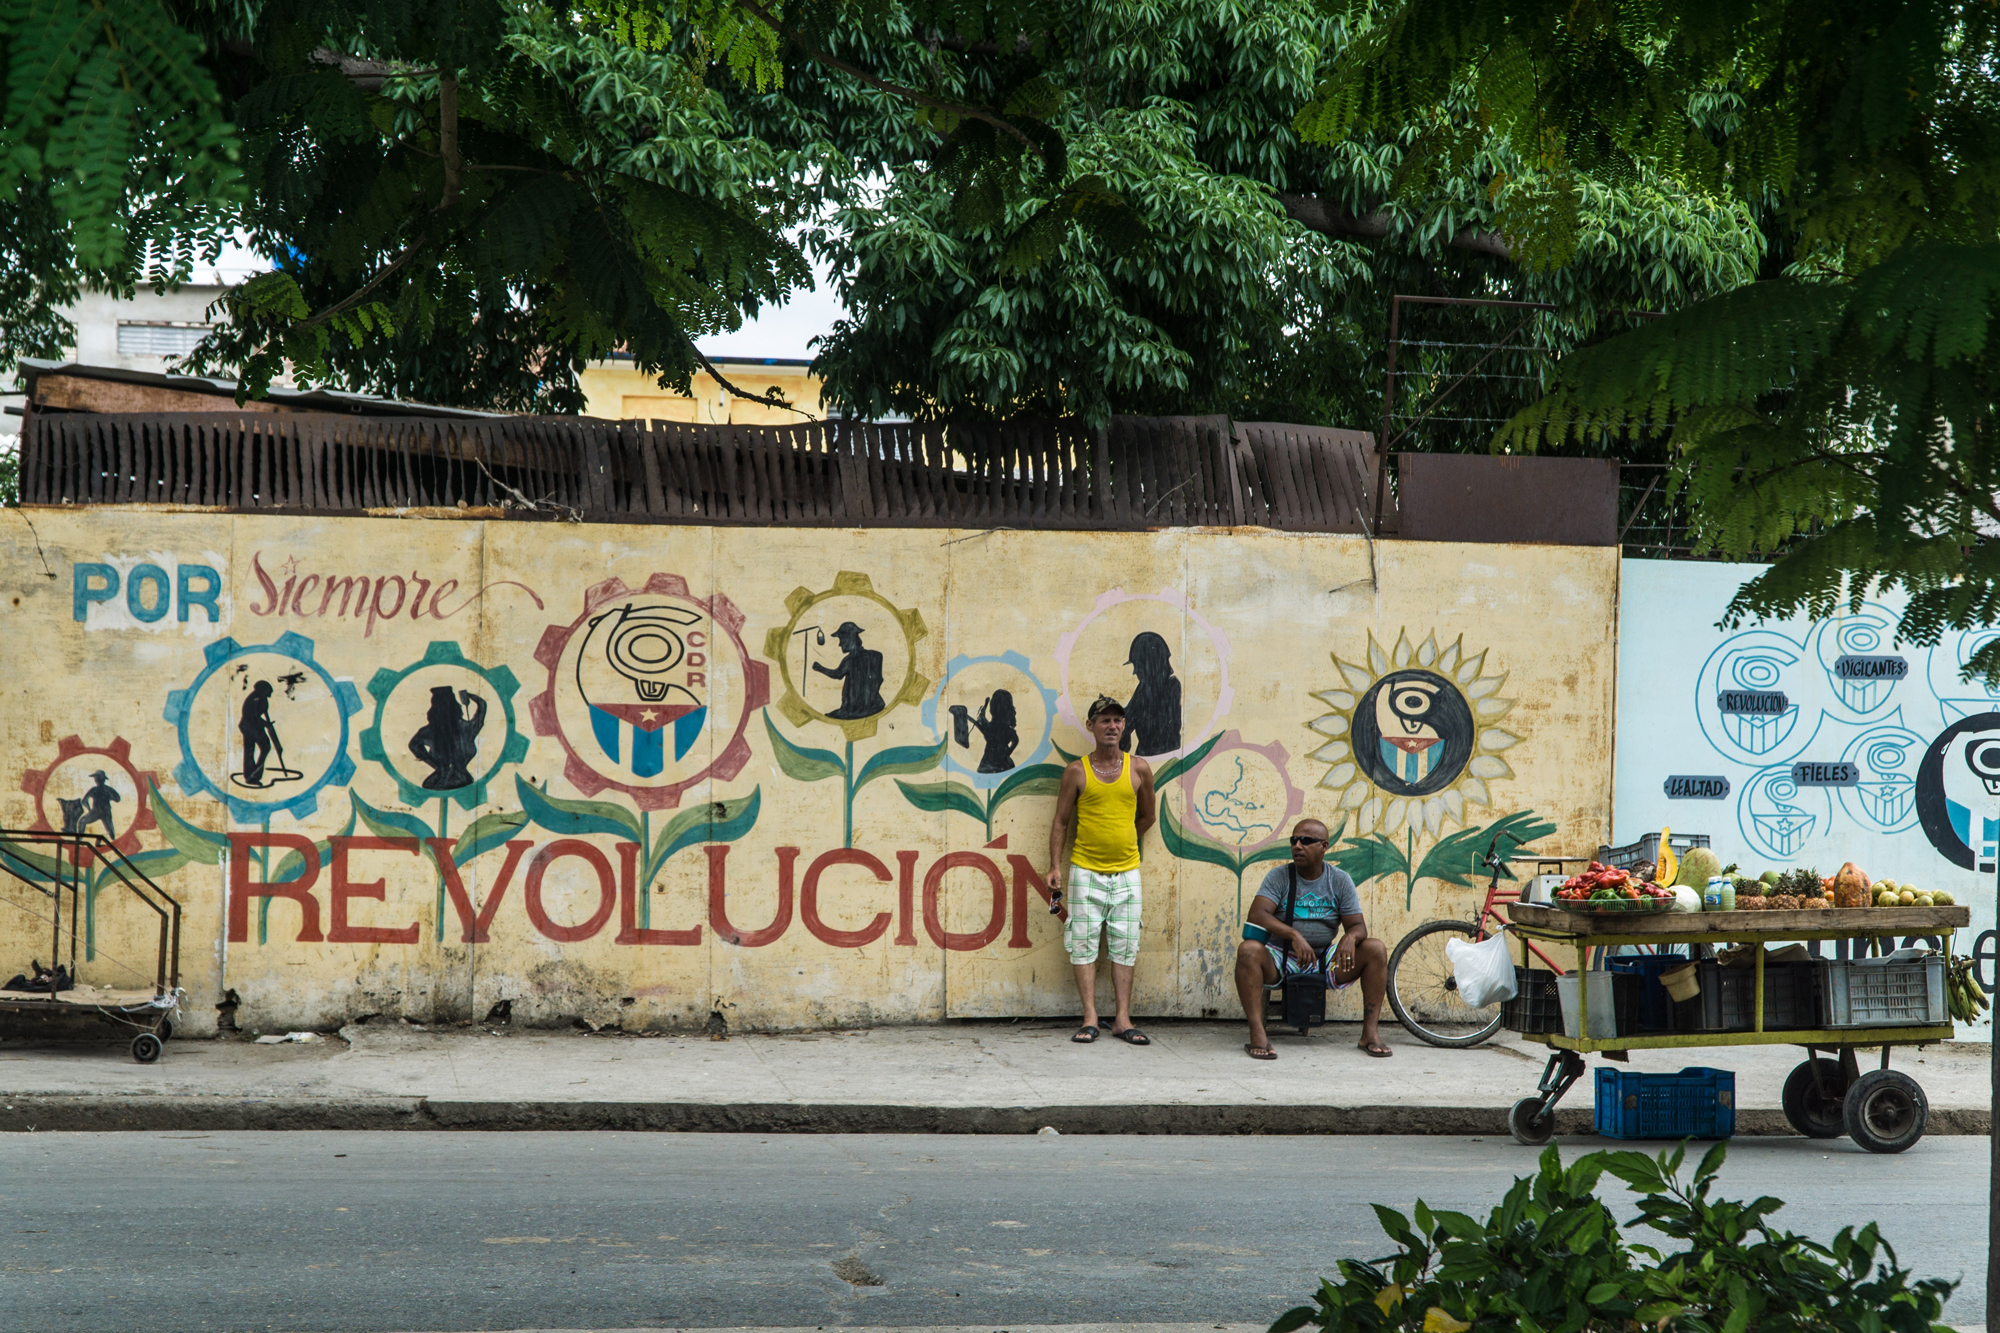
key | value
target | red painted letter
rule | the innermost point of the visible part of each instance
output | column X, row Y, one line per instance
column 473, row 926
column 628, row 906
column 906, row 897
column 718, row 912
column 242, row 889
column 1025, row 877
column 606, row 888
column 809, row 899
column 943, row 938
column 338, row 931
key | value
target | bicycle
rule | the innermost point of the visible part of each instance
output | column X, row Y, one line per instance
column 1423, row 993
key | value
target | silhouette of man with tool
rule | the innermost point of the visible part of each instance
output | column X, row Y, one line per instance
column 260, row 737
column 859, row 674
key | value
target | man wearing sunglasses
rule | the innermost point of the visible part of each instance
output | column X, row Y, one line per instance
column 1322, row 897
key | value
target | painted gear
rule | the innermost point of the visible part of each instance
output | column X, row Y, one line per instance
column 194, row 782
column 35, row 782
column 987, row 781
column 500, row 680
column 846, row 584
column 756, row 691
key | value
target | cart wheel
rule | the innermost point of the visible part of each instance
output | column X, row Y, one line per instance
column 146, row 1048
column 1886, row 1110
column 1815, row 1108
column 1530, row 1124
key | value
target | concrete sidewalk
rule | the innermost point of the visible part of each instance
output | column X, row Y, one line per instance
column 968, row 1077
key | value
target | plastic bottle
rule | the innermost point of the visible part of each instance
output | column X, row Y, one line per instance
column 1711, row 896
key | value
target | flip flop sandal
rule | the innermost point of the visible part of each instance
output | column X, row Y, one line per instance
column 1085, row 1035
column 1133, row 1037
column 1260, row 1052
column 1375, row 1049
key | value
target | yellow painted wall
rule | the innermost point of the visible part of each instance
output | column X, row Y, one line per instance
column 766, row 858
column 616, row 391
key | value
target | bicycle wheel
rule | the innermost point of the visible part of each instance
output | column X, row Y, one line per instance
column 1424, row 995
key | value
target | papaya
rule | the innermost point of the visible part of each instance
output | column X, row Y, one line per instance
column 1850, row 887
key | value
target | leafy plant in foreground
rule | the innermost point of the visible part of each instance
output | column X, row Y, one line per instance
column 1551, row 1259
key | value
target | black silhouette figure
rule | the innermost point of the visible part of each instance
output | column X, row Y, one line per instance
column 93, row 807
column 449, row 739
column 859, row 674
column 998, row 730
column 261, row 743
column 1153, row 715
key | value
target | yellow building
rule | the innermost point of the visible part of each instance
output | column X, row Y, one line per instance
column 618, row 390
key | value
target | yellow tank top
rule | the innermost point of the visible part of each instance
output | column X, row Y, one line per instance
column 1107, row 829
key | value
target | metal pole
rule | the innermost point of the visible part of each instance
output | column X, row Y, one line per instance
column 1388, row 410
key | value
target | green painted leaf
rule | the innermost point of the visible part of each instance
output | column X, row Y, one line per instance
column 32, row 866
column 800, row 763
column 488, row 831
column 1192, row 846
column 1173, row 768
column 154, row 865
column 942, row 796
column 1034, row 780
column 1281, row 851
column 198, row 845
column 389, row 824
column 901, row 759
column 714, row 821
column 571, row 817
column 1370, row 858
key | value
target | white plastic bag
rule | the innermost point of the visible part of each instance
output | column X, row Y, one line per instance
column 1484, row 971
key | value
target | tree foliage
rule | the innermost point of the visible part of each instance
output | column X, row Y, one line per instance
column 1842, row 411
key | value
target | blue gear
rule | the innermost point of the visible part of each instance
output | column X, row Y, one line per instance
column 988, row 781
column 194, row 782
column 499, row 679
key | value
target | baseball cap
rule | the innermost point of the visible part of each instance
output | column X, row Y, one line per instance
column 1104, row 704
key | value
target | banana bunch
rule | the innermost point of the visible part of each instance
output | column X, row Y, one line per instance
column 1963, row 994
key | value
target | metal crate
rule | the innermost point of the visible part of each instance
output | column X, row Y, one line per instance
column 1648, row 849
column 1882, row 992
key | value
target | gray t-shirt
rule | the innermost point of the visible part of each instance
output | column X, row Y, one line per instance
column 1328, row 898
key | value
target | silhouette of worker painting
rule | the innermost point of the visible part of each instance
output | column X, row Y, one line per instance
column 996, row 728
column 263, row 749
column 93, row 807
column 859, row 673
column 449, row 739
column 1153, row 714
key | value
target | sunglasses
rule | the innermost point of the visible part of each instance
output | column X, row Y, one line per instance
column 1306, row 842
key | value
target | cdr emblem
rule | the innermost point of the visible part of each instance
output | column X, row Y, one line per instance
column 649, row 690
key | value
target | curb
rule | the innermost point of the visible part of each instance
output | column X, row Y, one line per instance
column 118, row 1114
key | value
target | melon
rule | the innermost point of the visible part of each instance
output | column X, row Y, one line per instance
column 1698, row 865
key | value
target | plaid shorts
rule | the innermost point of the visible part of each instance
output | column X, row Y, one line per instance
column 1109, row 903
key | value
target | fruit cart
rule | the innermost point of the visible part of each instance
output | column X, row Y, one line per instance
column 1836, row 1006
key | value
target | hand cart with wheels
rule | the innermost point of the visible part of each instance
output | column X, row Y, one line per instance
column 63, row 870
column 1883, row 1110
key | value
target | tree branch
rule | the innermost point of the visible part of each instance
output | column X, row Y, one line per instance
column 716, row 375
column 1315, row 214
column 448, row 138
column 998, row 122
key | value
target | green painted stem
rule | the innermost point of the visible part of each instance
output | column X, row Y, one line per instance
column 847, row 786
column 643, row 889
column 444, row 812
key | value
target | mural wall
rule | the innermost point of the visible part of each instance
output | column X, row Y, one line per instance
column 792, row 777
column 1807, row 743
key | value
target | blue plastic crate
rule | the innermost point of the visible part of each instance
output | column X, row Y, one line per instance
column 1693, row 1104
column 1655, row 1007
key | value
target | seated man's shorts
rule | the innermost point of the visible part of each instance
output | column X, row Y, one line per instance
column 1322, row 963
column 1109, row 903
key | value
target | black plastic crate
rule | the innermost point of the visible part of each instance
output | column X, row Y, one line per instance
column 1653, row 1009
column 1728, row 999
column 1534, row 1007
column 1648, row 849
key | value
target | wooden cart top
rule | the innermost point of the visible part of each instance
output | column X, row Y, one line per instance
column 1839, row 921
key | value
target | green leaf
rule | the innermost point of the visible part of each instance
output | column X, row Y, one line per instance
column 198, row 845
column 572, row 818
column 1370, row 858
column 485, row 833
column 32, row 866
column 800, row 763
column 1189, row 846
column 1712, row 1160
column 942, row 796
column 1034, row 780
column 901, row 759
column 1173, row 768
column 713, row 821
column 1295, row 1318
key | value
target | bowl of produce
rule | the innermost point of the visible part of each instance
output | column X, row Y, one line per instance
column 1608, row 889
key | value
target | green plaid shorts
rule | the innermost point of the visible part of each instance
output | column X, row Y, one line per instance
column 1107, row 903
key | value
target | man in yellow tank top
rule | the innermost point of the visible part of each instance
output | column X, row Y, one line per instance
column 1108, row 796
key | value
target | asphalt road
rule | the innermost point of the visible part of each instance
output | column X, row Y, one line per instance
column 433, row 1231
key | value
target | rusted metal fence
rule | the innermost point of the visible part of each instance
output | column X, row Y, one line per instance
column 1140, row 472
